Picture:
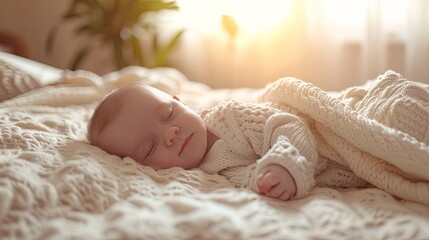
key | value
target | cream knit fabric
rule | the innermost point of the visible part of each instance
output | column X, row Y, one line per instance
column 403, row 105
column 14, row 81
column 380, row 131
column 54, row 185
column 255, row 135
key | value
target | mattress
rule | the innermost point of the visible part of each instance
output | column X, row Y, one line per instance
column 54, row 185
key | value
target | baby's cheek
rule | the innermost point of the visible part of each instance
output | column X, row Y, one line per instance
column 164, row 160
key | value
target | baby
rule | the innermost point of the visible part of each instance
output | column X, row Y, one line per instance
column 256, row 146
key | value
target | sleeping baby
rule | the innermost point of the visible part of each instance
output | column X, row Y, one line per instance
column 262, row 147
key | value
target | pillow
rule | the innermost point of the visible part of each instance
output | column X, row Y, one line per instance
column 14, row 81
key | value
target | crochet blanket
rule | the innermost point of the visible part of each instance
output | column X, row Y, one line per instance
column 380, row 131
column 54, row 185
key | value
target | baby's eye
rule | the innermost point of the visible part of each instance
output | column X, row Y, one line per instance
column 151, row 150
column 170, row 113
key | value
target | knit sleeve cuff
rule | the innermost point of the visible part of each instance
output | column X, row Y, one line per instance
column 287, row 156
column 242, row 177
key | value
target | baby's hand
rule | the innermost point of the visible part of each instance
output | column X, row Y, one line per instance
column 275, row 181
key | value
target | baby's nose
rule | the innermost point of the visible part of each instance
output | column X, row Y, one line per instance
column 170, row 135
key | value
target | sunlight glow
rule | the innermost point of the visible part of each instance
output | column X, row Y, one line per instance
column 349, row 18
column 250, row 15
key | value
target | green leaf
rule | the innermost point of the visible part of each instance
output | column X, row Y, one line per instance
column 106, row 19
column 155, row 42
column 83, row 28
column 138, row 8
column 72, row 10
column 230, row 25
column 156, row 5
column 80, row 56
column 71, row 15
column 160, row 58
column 51, row 38
column 137, row 49
column 91, row 3
column 98, row 19
column 118, row 52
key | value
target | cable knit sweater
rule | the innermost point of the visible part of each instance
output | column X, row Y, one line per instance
column 373, row 135
column 253, row 136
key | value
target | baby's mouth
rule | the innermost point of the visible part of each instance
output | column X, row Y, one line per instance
column 186, row 143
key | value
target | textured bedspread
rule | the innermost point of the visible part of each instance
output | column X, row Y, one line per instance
column 53, row 185
column 381, row 132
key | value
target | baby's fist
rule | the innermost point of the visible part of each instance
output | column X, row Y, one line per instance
column 276, row 181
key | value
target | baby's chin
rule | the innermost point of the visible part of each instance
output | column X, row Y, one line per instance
column 194, row 163
column 189, row 165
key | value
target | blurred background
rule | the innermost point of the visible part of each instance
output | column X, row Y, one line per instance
column 227, row 43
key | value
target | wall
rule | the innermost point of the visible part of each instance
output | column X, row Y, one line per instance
column 31, row 22
column 297, row 47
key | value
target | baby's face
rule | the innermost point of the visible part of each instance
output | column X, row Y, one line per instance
column 156, row 130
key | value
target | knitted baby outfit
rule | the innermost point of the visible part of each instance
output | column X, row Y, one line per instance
column 253, row 136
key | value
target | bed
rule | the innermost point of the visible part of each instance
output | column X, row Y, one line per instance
column 54, row 185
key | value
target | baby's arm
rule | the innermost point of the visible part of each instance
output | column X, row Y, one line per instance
column 292, row 147
column 287, row 151
column 275, row 181
column 281, row 169
column 297, row 167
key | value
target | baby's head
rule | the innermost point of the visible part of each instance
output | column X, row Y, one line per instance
column 150, row 126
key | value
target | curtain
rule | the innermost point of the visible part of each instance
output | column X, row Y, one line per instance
column 417, row 41
column 331, row 43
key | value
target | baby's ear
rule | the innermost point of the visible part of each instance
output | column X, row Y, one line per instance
column 177, row 98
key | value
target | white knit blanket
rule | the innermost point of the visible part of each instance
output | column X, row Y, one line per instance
column 53, row 185
column 381, row 132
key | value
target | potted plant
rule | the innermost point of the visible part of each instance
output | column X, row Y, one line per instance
column 118, row 24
